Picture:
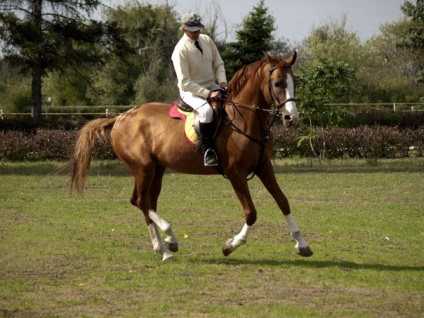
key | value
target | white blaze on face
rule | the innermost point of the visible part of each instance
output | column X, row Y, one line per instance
column 291, row 108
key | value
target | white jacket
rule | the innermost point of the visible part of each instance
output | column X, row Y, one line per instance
column 197, row 73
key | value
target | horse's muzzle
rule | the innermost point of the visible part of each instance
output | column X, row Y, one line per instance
column 290, row 121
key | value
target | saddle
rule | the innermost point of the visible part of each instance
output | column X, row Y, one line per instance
column 182, row 111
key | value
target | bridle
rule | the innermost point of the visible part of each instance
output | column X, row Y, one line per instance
column 275, row 113
column 272, row 92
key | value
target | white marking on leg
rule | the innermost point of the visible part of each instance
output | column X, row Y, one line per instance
column 238, row 240
column 291, row 223
column 157, row 243
column 295, row 232
column 164, row 226
column 244, row 234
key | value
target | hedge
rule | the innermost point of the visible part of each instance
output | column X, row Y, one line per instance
column 45, row 144
column 360, row 142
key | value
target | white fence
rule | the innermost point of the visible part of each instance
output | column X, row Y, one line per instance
column 112, row 110
column 99, row 111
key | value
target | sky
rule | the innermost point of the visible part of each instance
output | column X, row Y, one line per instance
column 294, row 19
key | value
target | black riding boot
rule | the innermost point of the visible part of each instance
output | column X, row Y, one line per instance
column 206, row 136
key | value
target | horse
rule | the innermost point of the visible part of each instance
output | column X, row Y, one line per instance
column 148, row 141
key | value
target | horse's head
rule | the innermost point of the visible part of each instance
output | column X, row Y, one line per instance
column 282, row 84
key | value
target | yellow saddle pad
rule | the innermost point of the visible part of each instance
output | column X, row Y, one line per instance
column 189, row 131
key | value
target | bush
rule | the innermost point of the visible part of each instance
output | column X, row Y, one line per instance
column 45, row 145
column 369, row 142
column 402, row 119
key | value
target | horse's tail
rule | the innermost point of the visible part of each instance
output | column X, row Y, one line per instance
column 81, row 159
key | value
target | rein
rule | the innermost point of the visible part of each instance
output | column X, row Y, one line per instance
column 274, row 112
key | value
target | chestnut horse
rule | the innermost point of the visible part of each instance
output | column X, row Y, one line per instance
column 147, row 141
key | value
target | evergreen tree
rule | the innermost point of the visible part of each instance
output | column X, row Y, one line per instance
column 414, row 35
column 46, row 35
column 252, row 40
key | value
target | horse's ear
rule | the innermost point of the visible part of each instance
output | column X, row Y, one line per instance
column 271, row 59
column 292, row 59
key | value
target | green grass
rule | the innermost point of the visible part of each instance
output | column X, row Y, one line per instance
column 63, row 256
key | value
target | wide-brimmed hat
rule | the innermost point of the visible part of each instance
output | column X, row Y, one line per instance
column 191, row 22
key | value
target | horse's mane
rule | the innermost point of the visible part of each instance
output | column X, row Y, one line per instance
column 242, row 76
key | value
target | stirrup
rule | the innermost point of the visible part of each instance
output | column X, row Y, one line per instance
column 210, row 158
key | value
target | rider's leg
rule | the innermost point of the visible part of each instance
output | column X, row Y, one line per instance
column 206, row 126
column 206, row 138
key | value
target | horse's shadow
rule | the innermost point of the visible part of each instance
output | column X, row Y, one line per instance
column 345, row 265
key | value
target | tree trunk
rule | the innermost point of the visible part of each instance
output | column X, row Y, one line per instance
column 37, row 70
column 36, row 92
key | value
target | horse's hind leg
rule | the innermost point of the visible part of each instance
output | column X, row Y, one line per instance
column 141, row 199
column 171, row 242
column 267, row 176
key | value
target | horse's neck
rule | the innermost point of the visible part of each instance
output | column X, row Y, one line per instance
column 249, row 115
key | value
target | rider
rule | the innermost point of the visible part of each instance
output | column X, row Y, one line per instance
column 198, row 65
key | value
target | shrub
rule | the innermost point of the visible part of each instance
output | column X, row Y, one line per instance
column 369, row 142
column 45, row 145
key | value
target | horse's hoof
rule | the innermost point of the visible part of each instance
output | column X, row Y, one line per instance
column 167, row 258
column 227, row 249
column 173, row 247
column 304, row 251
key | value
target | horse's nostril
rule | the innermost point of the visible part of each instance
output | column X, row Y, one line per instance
column 287, row 117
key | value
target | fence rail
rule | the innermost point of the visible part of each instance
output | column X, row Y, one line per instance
column 380, row 106
column 106, row 111
column 112, row 110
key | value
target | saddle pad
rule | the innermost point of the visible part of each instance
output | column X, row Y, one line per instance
column 189, row 131
column 176, row 113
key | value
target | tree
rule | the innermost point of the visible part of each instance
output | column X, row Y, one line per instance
column 252, row 40
column 334, row 43
column 413, row 38
column 47, row 35
column 152, row 32
column 391, row 70
column 15, row 94
column 322, row 83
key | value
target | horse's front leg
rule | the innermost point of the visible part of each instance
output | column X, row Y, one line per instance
column 267, row 176
column 242, row 190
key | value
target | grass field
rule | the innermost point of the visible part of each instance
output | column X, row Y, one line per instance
column 63, row 256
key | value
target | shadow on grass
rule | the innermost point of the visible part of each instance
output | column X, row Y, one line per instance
column 344, row 265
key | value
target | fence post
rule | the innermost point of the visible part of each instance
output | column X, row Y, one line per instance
column 1, row 113
column 394, row 107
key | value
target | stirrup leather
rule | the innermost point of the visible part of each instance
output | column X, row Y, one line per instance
column 210, row 158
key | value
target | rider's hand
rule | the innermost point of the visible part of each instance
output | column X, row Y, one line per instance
column 213, row 95
column 223, row 86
